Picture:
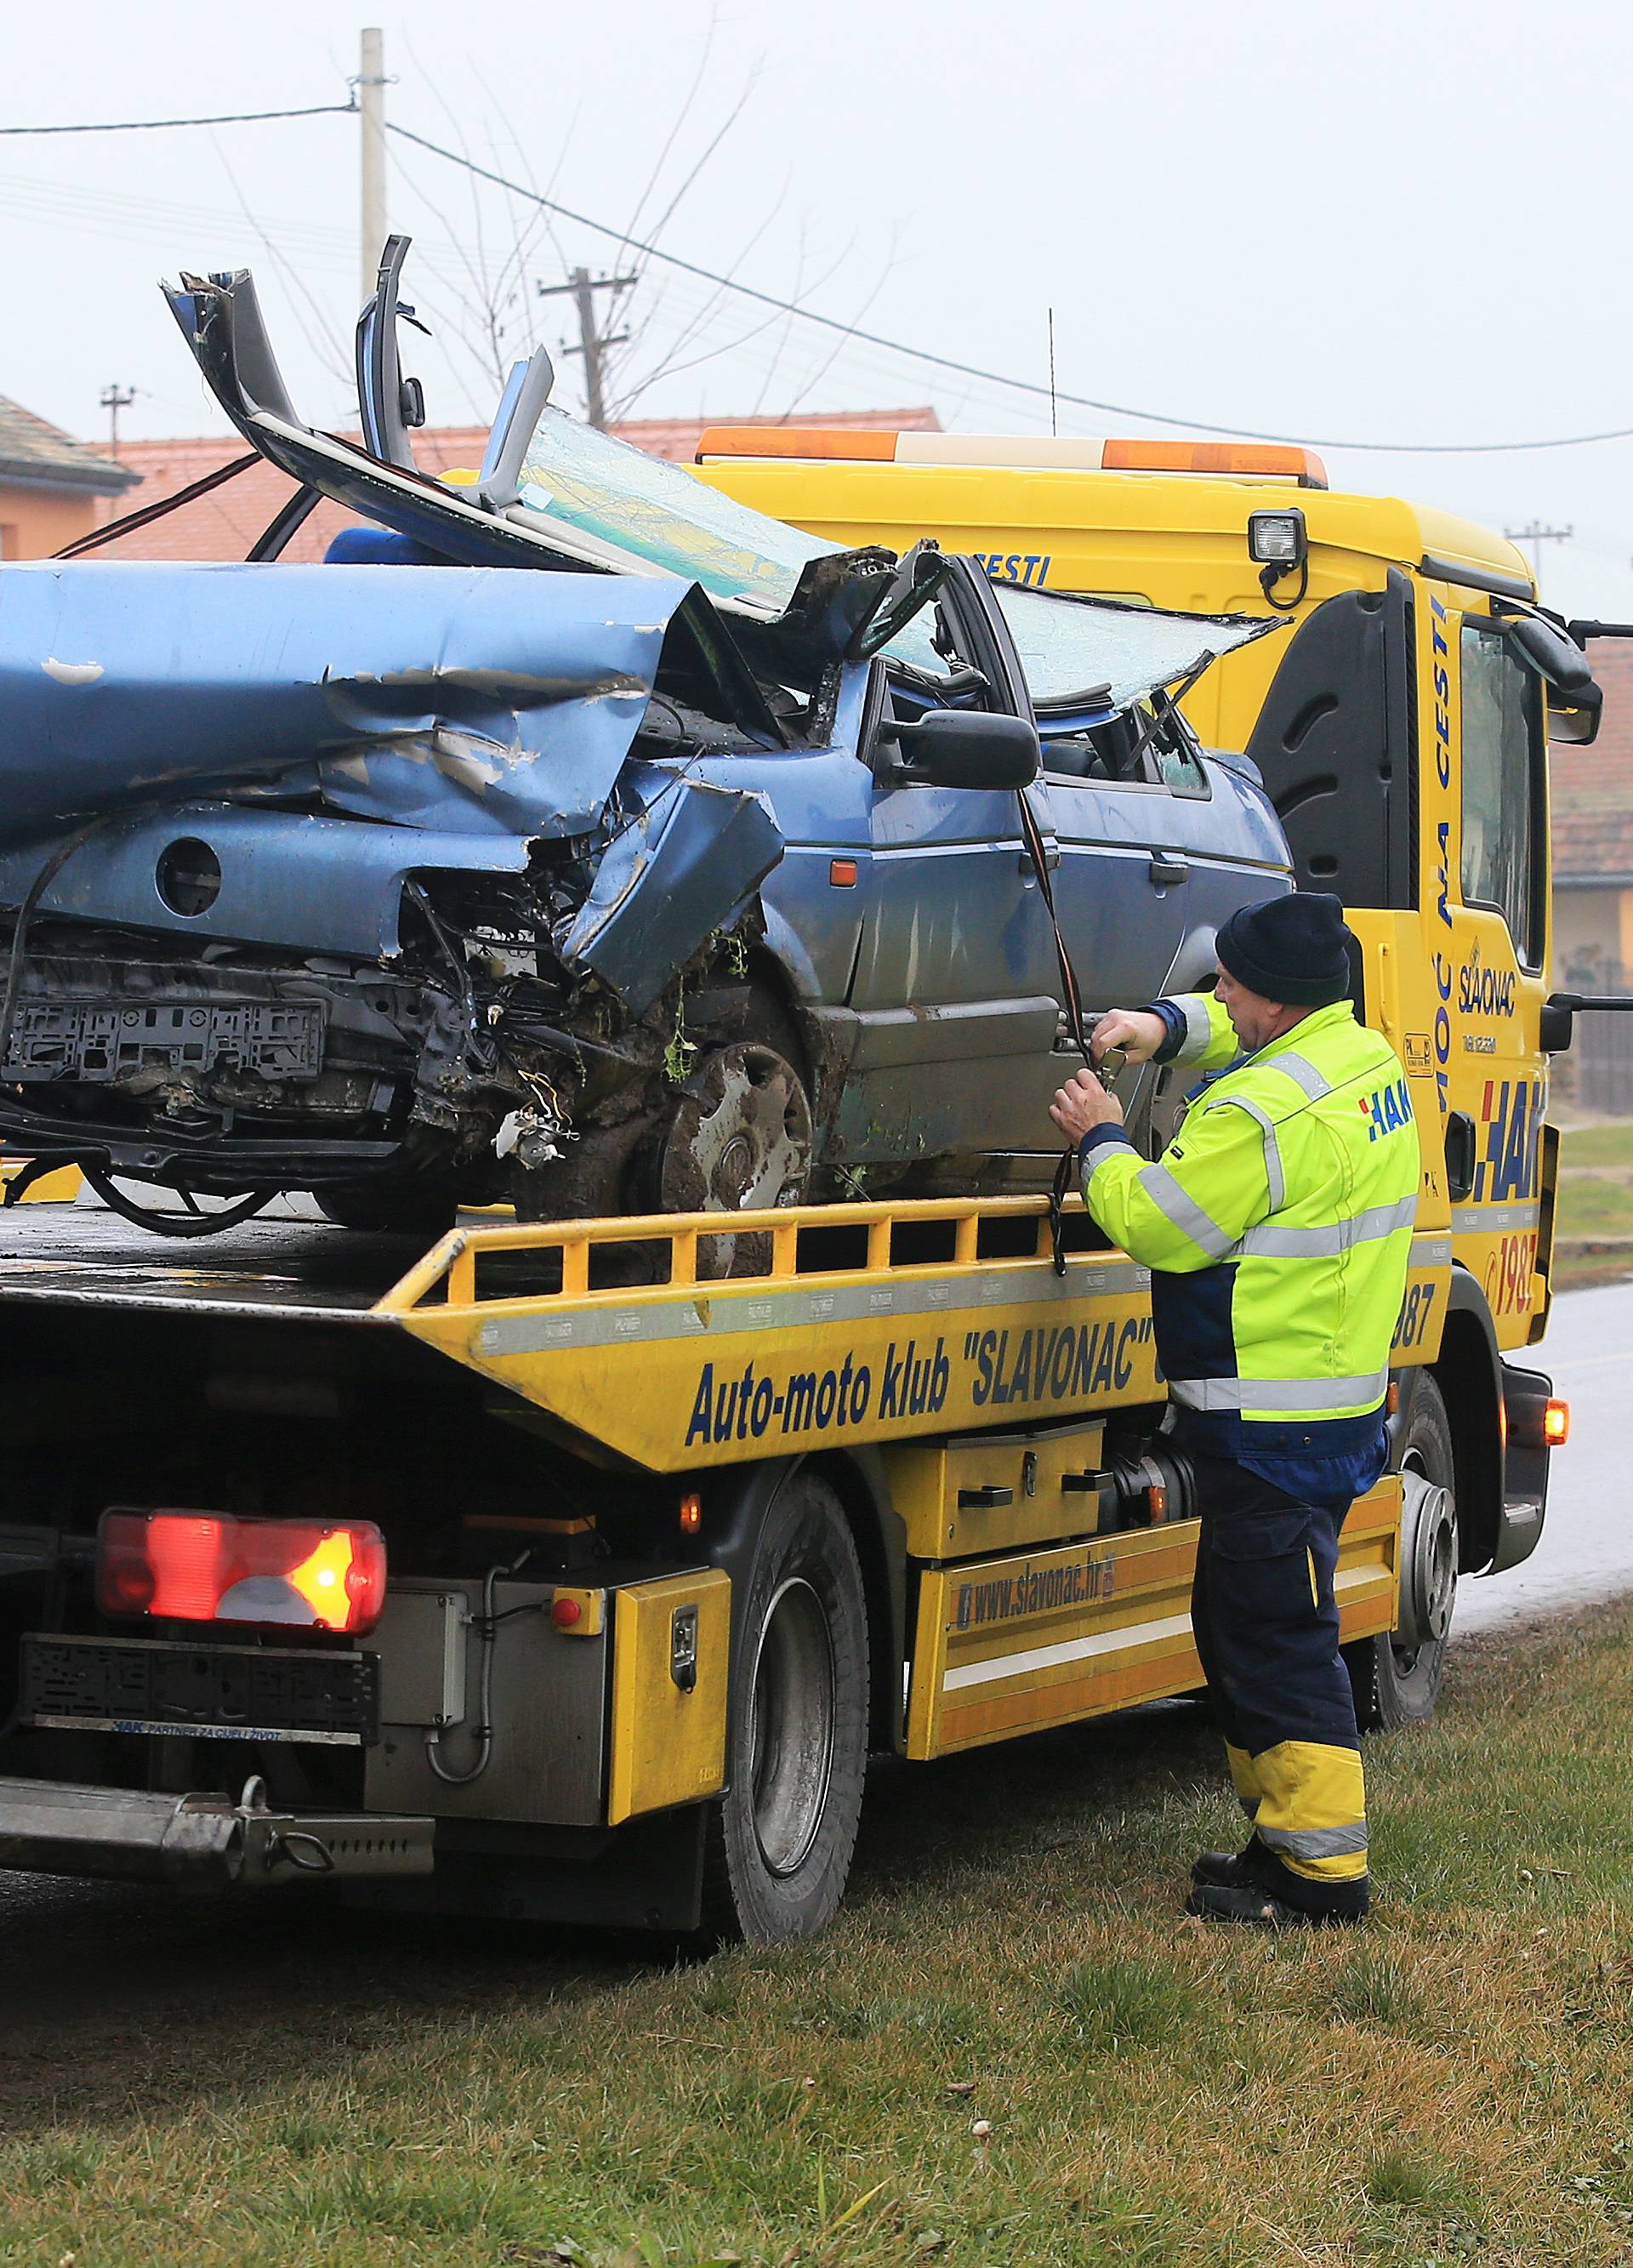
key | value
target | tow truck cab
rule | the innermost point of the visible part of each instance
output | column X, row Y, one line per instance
column 1401, row 729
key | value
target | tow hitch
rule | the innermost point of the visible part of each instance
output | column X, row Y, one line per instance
column 204, row 1842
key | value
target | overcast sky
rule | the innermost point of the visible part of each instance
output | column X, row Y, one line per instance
column 1396, row 224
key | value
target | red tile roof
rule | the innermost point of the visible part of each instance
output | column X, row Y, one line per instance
column 226, row 523
column 1593, row 788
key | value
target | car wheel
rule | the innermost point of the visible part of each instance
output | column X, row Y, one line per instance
column 782, row 1836
column 739, row 1137
column 1397, row 1677
column 408, row 1211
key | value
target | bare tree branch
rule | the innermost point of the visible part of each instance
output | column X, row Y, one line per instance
column 329, row 350
column 840, row 343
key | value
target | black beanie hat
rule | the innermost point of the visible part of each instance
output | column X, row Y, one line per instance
column 1293, row 949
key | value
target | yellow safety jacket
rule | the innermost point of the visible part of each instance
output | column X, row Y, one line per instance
column 1278, row 1225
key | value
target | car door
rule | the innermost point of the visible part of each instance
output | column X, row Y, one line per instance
column 1157, row 847
column 956, row 988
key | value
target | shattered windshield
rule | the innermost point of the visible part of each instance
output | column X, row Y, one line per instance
column 585, row 479
column 605, row 489
column 1071, row 646
column 655, row 511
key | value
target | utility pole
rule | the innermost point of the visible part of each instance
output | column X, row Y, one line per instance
column 114, row 399
column 371, row 119
column 593, row 344
column 1536, row 536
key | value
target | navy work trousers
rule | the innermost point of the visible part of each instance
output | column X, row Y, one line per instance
column 1266, row 1623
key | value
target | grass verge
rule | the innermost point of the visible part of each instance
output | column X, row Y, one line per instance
column 1593, row 1228
column 1012, row 2049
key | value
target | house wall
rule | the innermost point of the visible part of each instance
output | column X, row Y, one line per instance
column 1592, row 925
column 36, row 522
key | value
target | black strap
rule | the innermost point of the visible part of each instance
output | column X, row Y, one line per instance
column 149, row 512
column 1034, row 840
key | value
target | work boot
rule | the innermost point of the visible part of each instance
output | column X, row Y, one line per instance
column 1258, row 1907
column 1230, row 1870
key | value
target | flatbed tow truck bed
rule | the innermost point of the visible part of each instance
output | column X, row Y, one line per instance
column 574, row 1437
column 298, row 1271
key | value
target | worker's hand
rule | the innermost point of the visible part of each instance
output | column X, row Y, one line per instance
column 1136, row 1031
column 1083, row 1103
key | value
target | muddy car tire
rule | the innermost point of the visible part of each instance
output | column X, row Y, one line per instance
column 739, row 1136
column 781, row 1838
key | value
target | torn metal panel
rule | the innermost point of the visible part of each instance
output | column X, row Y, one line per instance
column 287, row 878
column 680, row 869
column 122, row 682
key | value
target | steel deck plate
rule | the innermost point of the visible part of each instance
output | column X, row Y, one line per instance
column 311, row 1271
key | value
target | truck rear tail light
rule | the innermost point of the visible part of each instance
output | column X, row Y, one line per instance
column 205, row 1567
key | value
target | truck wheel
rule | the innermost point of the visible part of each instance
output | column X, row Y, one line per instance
column 782, row 1836
column 1397, row 1677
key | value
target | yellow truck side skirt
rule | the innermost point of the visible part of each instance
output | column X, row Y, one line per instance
column 1019, row 1643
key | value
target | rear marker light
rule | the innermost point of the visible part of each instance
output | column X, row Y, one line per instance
column 842, row 874
column 1557, row 1424
column 206, row 1567
column 691, row 1512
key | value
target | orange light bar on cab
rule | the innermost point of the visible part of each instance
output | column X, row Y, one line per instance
column 1254, row 460
column 875, row 445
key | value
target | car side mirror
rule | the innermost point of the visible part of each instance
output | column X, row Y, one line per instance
column 967, row 748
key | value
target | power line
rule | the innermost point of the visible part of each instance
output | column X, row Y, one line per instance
column 972, row 370
column 832, row 323
column 155, row 125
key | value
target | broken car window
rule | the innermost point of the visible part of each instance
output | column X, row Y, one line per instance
column 1069, row 645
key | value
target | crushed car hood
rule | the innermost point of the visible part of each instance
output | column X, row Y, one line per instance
column 446, row 698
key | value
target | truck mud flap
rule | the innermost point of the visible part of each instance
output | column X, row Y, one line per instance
column 206, row 1842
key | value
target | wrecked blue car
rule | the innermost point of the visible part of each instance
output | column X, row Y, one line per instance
column 573, row 837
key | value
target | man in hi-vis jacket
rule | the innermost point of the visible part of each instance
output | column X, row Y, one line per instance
column 1277, row 1227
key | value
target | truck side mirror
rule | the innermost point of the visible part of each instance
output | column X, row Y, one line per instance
column 967, row 748
column 1560, row 1011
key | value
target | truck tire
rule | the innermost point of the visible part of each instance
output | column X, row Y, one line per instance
column 781, row 1838
column 1396, row 1678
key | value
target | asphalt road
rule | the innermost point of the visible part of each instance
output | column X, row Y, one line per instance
column 95, row 1978
column 1586, row 1551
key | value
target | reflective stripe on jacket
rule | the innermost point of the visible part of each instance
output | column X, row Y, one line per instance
column 1278, row 1226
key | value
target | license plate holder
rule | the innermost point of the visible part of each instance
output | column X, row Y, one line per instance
column 216, row 1692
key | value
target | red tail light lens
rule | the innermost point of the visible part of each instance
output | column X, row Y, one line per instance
column 203, row 1567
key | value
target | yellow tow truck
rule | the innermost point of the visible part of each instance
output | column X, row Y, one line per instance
column 572, row 1572
column 562, row 1578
